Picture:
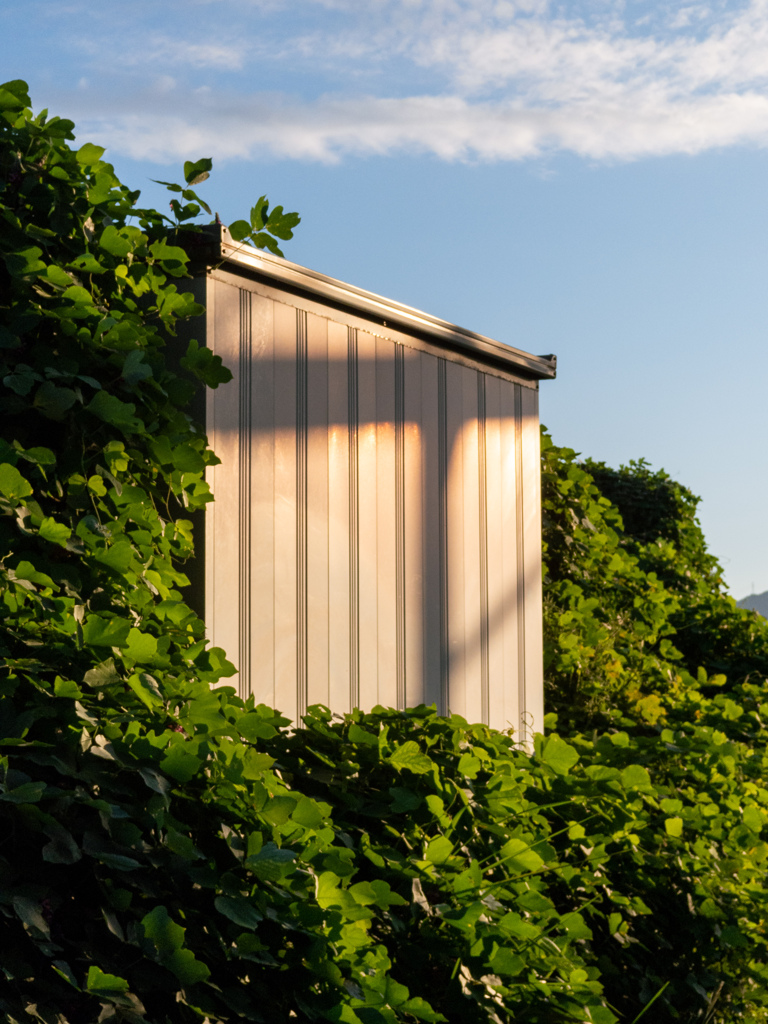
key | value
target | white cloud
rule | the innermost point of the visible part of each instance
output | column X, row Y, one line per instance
column 497, row 80
column 158, row 51
column 450, row 127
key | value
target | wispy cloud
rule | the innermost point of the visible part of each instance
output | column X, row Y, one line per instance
column 158, row 51
column 449, row 127
column 475, row 79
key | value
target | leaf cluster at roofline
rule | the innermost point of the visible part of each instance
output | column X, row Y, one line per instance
column 169, row 852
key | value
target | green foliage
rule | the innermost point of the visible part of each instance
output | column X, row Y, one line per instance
column 643, row 647
column 263, row 225
column 179, row 853
column 101, row 470
column 634, row 604
column 662, row 532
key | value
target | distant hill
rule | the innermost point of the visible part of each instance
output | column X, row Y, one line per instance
column 756, row 603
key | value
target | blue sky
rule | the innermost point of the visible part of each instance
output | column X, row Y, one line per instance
column 588, row 179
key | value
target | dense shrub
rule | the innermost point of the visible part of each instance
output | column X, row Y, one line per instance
column 633, row 601
column 170, row 853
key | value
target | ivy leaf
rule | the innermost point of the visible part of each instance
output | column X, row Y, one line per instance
column 53, row 401
column 168, row 938
column 733, row 937
column 206, row 366
column 409, row 756
column 559, row 755
column 86, row 264
column 102, row 632
column 89, row 154
column 575, row 927
column 197, row 170
column 22, row 380
column 517, row 855
column 58, row 276
column 421, row 1010
column 239, row 230
column 180, row 764
column 403, row 800
column 262, row 240
column 271, row 862
column 259, row 213
column 25, row 262
column 239, row 910
column 26, row 571
column 14, row 95
column 116, row 242
column 39, row 456
column 634, row 776
column 187, row 459
column 141, row 647
column 103, row 184
column 165, row 935
column 116, row 412
column 67, row 688
column 103, row 675
column 187, row 968
column 505, row 962
column 173, row 258
column 12, row 483
column 601, row 773
column 253, row 727
column 62, row 849
column 359, row 735
column 753, row 818
column 79, row 295
column 470, row 765
column 307, row 813
column 673, row 826
column 156, row 782
column 135, row 369
column 120, row 555
column 282, row 224
column 62, row 968
column 118, row 861
column 28, row 793
column 146, row 689
column 31, row 913
column 106, row 986
column 439, row 850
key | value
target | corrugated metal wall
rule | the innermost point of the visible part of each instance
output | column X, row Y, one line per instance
column 376, row 533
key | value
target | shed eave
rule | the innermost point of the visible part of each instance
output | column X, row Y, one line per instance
column 257, row 262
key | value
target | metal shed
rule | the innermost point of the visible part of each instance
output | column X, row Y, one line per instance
column 376, row 533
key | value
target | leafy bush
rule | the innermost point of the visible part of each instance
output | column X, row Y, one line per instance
column 178, row 853
column 634, row 604
column 662, row 532
column 172, row 853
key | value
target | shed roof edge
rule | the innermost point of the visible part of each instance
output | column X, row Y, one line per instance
column 386, row 311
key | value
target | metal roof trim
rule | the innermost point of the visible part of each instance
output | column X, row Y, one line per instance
column 386, row 311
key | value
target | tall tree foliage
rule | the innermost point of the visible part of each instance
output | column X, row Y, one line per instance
column 169, row 852
column 634, row 601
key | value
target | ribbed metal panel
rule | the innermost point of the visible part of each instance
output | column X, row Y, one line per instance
column 375, row 537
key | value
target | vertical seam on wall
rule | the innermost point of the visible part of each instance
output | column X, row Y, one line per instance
column 244, row 496
column 483, row 493
column 520, row 555
column 400, row 522
column 354, row 516
column 442, row 471
column 301, row 513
